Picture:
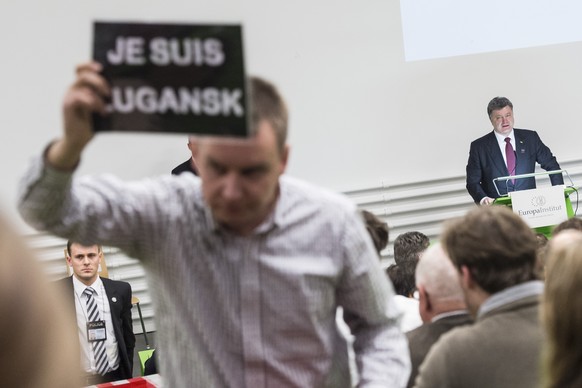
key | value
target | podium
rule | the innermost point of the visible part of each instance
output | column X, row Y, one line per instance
column 506, row 200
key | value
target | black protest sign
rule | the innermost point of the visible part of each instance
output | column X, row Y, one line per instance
column 172, row 78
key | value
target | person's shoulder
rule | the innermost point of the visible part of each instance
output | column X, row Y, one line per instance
column 63, row 282
column 444, row 356
column 305, row 191
column 180, row 178
column 183, row 167
column 417, row 332
column 151, row 185
column 525, row 133
column 183, row 185
column 302, row 202
column 455, row 320
column 116, row 283
column 483, row 139
column 459, row 336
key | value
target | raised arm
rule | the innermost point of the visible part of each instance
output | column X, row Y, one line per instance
column 93, row 209
column 83, row 98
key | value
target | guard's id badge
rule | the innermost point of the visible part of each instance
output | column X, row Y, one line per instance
column 96, row 331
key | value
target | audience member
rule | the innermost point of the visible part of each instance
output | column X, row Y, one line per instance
column 407, row 249
column 506, row 151
column 441, row 304
column 562, row 311
column 571, row 223
column 494, row 251
column 542, row 241
column 190, row 164
column 103, row 314
column 377, row 229
column 247, row 267
column 35, row 327
column 402, row 281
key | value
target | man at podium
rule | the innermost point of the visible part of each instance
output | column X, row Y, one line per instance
column 506, row 151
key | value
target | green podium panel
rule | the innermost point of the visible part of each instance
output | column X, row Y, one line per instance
column 546, row 230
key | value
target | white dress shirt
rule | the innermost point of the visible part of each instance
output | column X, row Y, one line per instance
column 100, row 296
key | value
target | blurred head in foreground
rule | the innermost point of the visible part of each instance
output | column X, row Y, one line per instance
column 562, row 311
column 35, row 332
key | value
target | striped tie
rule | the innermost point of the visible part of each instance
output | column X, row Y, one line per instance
column 98, row 346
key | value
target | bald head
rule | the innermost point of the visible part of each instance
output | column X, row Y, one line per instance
column 564, row 240
column 438, row 283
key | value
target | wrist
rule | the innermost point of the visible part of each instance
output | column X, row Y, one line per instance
column 63, row 155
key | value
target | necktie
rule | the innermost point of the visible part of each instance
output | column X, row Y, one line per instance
column 510, row 156
column 99, row 353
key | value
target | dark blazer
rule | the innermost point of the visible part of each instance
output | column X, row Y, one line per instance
column 120, row 316
column 486, row 163
column 423, row 337
column 184, row 167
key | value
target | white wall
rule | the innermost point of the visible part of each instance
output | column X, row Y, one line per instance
column 360, row 114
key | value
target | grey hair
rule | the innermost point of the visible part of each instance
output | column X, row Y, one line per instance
column 437, row 274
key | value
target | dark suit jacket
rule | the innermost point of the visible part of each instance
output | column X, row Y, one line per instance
column 120, row 316
column 184, row 167
column 486, row 163
column 423, row 337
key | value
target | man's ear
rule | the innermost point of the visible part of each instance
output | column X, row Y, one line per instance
column 467, row 281
column 424, row 304
column 285, row 157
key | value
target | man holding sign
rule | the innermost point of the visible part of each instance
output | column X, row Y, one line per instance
column 246, row 267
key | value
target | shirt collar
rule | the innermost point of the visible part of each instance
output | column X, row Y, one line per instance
column 449, row 314
column 80, row 287
column 501, row 138
column 511, row 294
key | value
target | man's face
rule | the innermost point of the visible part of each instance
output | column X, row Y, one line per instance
column 85, row 262
column 240, row 178
column 502, row 120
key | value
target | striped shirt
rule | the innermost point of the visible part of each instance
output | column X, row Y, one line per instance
column 232, row 311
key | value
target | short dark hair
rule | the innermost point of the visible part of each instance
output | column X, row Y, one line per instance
column 377, row 229
column 542, row 248
column 495, row 244
column 408, row 247
column 402, row 279
column 70, row 243
column 498, row 103
column 268, row 104
column 571, row 223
